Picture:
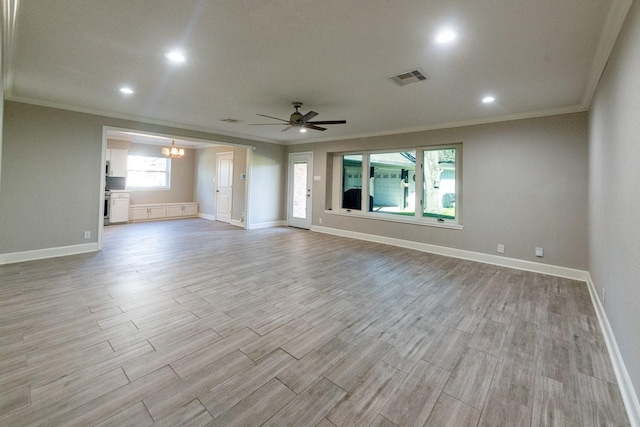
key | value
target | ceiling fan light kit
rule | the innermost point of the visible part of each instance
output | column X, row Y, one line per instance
column 300, row 121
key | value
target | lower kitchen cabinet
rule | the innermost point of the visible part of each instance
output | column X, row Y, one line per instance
column 174, row 211
column 119, row 207
column 162, row 211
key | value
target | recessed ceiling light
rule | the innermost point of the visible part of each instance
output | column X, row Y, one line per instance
column 175, row 56
column 488, row 99
column 446, row 36
column 127, row 90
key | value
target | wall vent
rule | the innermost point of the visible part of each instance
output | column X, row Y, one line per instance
column 408, row 77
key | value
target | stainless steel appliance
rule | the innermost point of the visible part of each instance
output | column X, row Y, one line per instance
column 107, row 207
column 115, row 183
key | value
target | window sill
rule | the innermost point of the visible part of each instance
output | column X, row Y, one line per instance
column 392, row 218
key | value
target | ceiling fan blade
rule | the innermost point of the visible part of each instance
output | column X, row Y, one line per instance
column 266, row 124
column 329, row 122
column 285, row 129
column 275, row 118
column 310, row 115
column 310, row 126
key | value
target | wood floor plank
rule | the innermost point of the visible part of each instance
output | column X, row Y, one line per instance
column 354, row 366
column 471, row 379
column 450, row 412
column 417, row 395
column 199, row 359
column 310, row 406
column 314, row 337
column 180, row 393
column 314, row 364
column 362, row 406
column 257, row 407
column 149, row 362
column 134, row 416
column 192, row 414
column 264, row 345
column 225, row 395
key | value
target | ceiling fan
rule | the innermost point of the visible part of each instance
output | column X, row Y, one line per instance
column 298, row 120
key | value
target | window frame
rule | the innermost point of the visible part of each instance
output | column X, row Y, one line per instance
column 335, row 207
column 165, row 187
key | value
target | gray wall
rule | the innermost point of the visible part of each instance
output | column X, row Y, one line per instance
column 52, row 169
column 524, row 185
column 268, row 170
column 206, row 174
column 614, row 192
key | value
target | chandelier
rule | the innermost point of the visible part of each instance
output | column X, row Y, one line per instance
column 173, row 152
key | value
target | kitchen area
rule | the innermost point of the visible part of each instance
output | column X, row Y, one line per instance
column 144, row 181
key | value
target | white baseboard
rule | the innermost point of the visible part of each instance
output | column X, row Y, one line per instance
column 206, row 216
column 14, row 257
column 625, row 385
column 237, row 223
column 535, row 267
column 268, row 224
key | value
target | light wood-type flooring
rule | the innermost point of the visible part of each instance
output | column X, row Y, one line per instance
column 193, row 322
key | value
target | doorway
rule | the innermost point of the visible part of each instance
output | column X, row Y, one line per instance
column 224, row 187
column 300, row 184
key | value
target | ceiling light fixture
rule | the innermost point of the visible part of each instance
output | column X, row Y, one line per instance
column 127, row 90
column 445, row 36
column 173, row 152
column 303, row 130
column 175, row 56
column 488, row 99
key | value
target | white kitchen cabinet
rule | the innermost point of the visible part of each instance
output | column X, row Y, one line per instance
column 119, row 207
column 182, row 210
column 117, row 161
column 157, row 212
column 162, row 211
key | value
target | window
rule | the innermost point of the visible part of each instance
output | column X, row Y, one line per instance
column 148, row 172
column 439, row 183
column 392, row 183
column 419, row 185
column 352, row 181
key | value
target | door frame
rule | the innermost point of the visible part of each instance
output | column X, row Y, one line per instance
column 308, row 156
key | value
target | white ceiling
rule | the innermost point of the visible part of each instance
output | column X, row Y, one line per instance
column 257, row 56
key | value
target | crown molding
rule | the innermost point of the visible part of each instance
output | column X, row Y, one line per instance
column 612, row 27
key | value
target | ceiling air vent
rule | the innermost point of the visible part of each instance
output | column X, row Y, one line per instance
column 413, row 76
column 230, row 120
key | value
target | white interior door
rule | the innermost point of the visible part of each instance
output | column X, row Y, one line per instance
column 300, row 184
column 224, row 187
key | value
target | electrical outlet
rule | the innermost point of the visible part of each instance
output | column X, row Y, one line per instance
column 500, row 248
column 539, row 252
column 87, row 234
column 319, row 220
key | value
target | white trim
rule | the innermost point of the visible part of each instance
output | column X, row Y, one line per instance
column 536, row 267
column 267, row 224
column 429, row 222
column 625, row 385
column 142, row 119
column 612, row 27
column 236, row 223
column 33, row 255
column 577, row 108
column 206, row 216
